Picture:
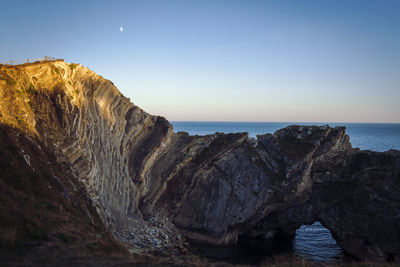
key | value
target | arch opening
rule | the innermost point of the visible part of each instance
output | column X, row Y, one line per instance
column 315, row 243
column 312, row 242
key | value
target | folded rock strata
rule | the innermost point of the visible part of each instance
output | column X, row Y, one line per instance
column 212, row 188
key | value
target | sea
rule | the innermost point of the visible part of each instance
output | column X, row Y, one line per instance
column 312, row 242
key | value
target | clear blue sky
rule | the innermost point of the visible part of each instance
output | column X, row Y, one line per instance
column 326, row 60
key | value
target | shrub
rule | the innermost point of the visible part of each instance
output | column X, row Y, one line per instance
column 72, row 66
column 31, row 89
column 56, row 70
column 11, row 81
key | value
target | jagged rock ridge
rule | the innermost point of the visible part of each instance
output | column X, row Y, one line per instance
column 213, row 188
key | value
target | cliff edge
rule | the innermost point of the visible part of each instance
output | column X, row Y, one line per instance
column 127, row 172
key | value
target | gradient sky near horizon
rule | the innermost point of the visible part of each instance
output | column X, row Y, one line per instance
column 296, row 61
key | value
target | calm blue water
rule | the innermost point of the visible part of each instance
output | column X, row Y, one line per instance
column 368, row 136
column 313, row 242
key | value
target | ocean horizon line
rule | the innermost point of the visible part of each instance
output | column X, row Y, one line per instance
column 286, row 122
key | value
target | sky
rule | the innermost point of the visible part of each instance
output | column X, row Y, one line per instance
column 286, row 61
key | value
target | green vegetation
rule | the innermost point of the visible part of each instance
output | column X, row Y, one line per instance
column 72, row 66
column 56, row 70
column 31, row 89
column 6, row 76
column 10, row 81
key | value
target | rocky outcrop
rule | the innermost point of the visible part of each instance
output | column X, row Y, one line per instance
column 232, row 191
column 358, row 200
column 352, row 193
column 140, row 176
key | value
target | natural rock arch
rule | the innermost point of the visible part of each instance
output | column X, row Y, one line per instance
column 214, row 187
column 310, row 174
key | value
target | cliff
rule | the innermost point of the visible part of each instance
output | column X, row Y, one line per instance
column 126, row 172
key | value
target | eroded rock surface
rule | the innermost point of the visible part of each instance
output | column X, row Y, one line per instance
column 149, row 184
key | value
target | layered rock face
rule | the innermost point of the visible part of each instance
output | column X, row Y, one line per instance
column 213, row 188
column 89, row 124
column 46, row 216
column 232, row 192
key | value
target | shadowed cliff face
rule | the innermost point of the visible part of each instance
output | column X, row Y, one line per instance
column 45, row 214
column 234, row 189
column 214, row 188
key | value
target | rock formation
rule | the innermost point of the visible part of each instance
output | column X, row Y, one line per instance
column 147, row 184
